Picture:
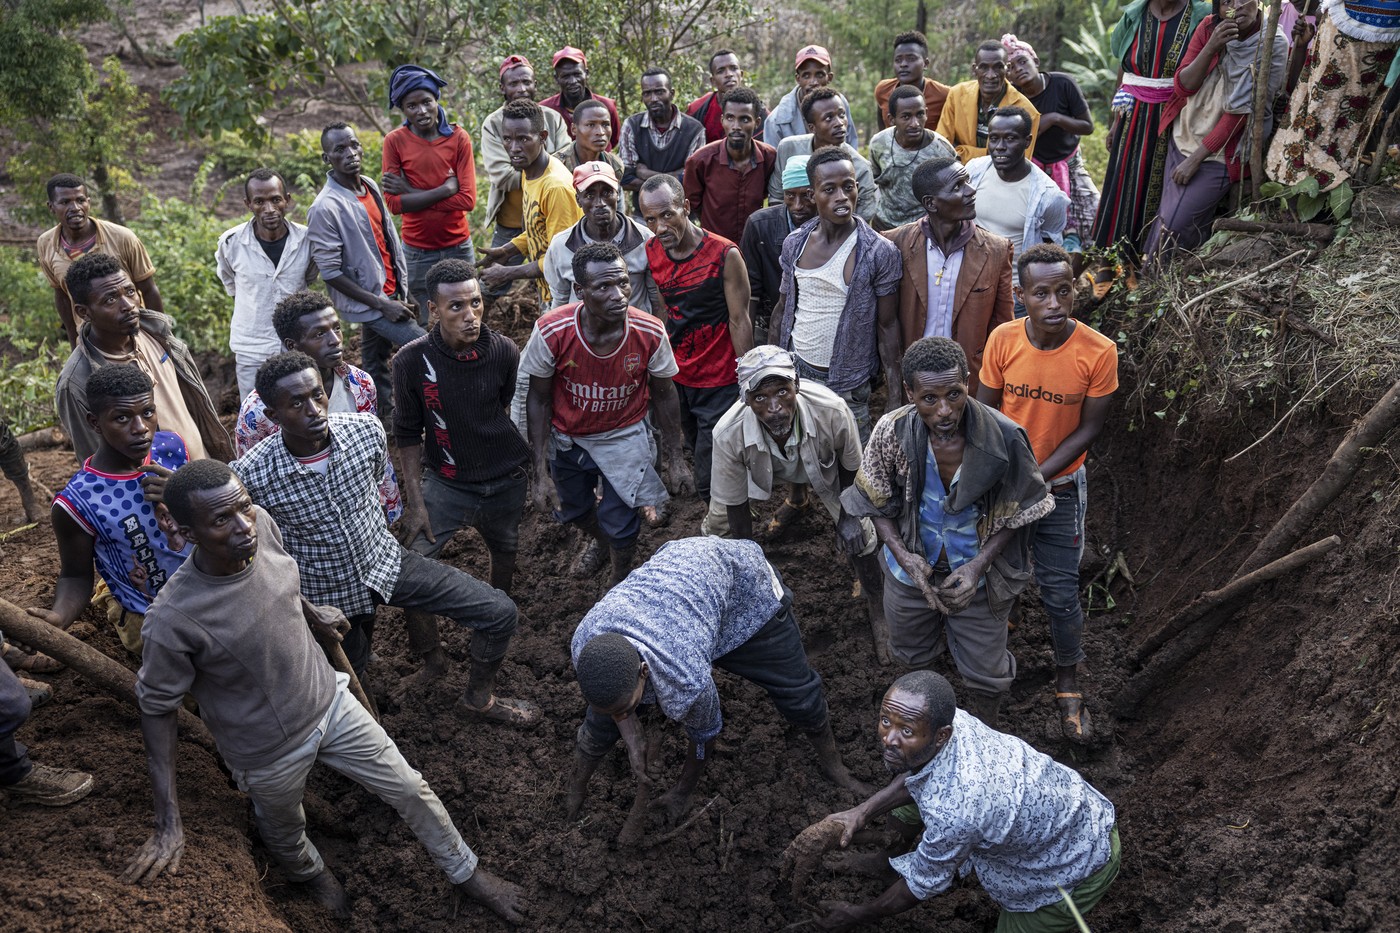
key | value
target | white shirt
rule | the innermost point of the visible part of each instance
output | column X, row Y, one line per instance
column 1002, row 208
column 256, row 285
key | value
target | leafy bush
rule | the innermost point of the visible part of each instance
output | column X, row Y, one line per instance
column 1094, row 65
column 35, row 345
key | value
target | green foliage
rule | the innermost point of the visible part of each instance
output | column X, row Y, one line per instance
column 34, row 346
column 240, row 67
column 181, row 237
column 1094, row 65
column 297, row 156
column 97, row 132
column 44, row 69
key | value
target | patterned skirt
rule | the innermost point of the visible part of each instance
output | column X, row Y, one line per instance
column 1332, row 111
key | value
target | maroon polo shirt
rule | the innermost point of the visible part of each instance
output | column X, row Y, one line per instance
column 725, row 194
column 556, row 103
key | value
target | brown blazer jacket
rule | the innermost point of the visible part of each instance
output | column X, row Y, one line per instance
column 981, row 301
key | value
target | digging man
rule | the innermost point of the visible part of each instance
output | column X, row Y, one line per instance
column 1030, row 827
column 725, row 607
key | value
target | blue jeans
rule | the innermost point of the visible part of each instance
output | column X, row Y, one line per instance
column 857, row 399
column 14, row 711
column 420, row 261
column 773, row 658
column 576, row 478
column 500, row 237
column 1058, row 547
column 378, row 338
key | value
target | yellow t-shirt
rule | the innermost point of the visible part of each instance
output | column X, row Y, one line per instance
column 549, row 207
column 1044, row 390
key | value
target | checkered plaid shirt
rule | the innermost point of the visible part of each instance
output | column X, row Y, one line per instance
column 333, row 524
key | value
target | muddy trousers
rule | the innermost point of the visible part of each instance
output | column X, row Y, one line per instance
column 773, row 659
column 976, row 637
column 1058, row 547
column 1057, row 917
column 349, row 741
column 701, row 410
column 14, row 712
column 446, row 591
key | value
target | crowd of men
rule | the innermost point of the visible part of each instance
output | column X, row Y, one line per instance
column 692, row 342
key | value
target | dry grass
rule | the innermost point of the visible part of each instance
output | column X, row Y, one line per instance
column 1320, row 330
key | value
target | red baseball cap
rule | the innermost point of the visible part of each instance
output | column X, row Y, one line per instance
column 569, row 54
column 514, row 61
column 814, row 52
column 590, row 173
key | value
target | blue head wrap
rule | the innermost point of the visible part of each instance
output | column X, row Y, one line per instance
column 409, row 78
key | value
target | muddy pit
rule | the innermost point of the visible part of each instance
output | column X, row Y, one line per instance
column 1257, row 792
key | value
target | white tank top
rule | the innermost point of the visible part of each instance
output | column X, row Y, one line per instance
column 821, row 297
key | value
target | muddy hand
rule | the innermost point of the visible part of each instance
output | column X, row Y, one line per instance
column 672, row 805
column 162, row 852
column 958, row 589
column 839, row 915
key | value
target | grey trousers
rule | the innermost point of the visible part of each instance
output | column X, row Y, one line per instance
column 976, row 637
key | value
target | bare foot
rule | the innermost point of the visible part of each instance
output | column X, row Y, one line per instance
column 501, row 896
column 328, row 892
column 505, row 710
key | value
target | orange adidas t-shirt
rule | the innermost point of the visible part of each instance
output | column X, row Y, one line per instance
column 1044, row 390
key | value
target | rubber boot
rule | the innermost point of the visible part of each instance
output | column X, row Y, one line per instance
column 584, row 766
column 502, row 571
column 830, row 763
column 590, row 560
column 872, row 589
column 621, row 563
column 985, row 706
column 425, row 644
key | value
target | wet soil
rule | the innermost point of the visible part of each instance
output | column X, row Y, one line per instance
column 1256, row 793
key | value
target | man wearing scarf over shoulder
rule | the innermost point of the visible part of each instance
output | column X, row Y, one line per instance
column 429, row 178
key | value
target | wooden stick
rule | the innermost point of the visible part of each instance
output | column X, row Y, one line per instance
column 1263, row 64
column 1288, row 414
column 335, row 653
column 1322, row 233
column 104, row 673
column 1235, row 282
column 1239, row 586
column 690, row 821
column 1344, row 464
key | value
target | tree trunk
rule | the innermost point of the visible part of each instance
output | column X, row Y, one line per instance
column 1346, row 460
column 1263, row 105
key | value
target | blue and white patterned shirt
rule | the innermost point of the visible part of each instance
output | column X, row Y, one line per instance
column 992, row 803
column 697, row 599
column 332, row 524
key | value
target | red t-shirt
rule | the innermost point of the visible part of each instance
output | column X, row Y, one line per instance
column 376, row 223
column 592, row 393
column 427, row 163
column 697, row 315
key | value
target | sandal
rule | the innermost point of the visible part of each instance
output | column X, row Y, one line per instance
column 31, row 662
column 787, row 514
column 506, row 711
column 1076, row 725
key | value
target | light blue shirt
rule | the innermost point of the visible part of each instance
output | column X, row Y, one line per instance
column 1023, row 821
column 938, row 528
column 696, row 600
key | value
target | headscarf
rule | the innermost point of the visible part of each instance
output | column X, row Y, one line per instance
column 409, row 78
column 795, row 173
column 1014, row 45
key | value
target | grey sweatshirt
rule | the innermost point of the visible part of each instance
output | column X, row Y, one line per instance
column 240, row 644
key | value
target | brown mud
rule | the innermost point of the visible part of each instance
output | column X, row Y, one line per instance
column 1257, row 793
